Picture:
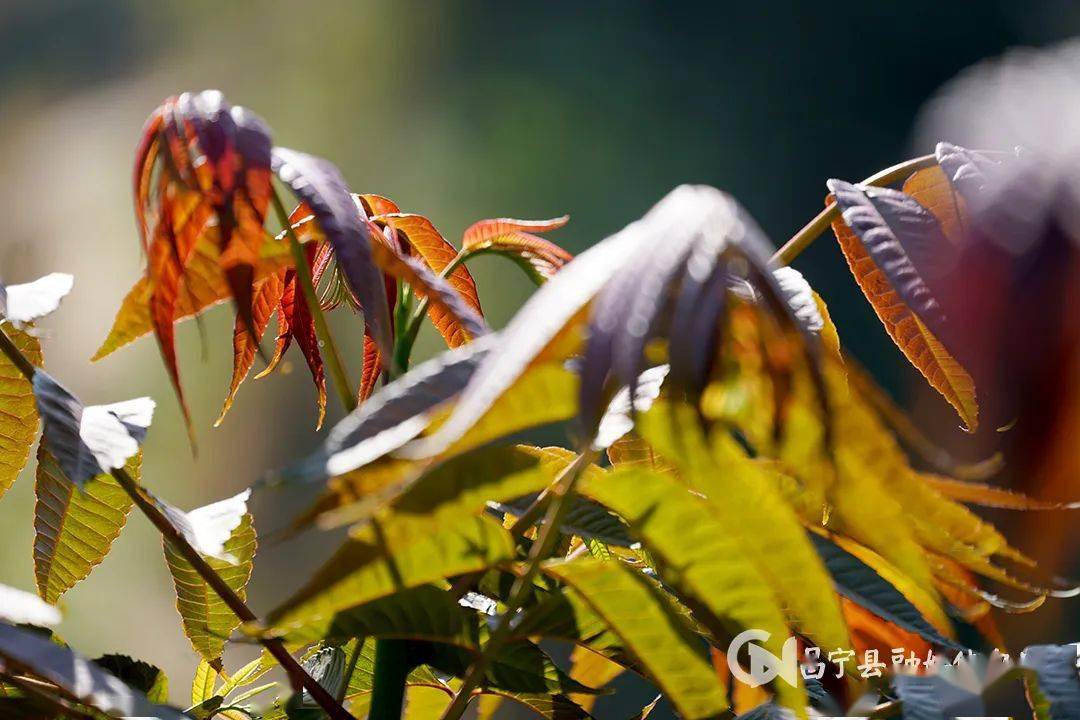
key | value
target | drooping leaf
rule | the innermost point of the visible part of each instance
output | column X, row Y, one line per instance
column 551, row 313
column 653, row 630
column 19, row 607
column 205, row 288
column 698, row 246
column 696, row 555
column 426, row 242
column 75, row 528
column 991, row 496
column 516, row 239
column 881, row 232
column 89, row 440
column 931, row 188
column 384, row 557
column 78, row 676
column 18, row 421
column 319, row 184
column 26, row 302
column 745, row 501
column 264, row 303
column 1055, row 689
column 144, row 677
column 396, row 414
column 207, row 620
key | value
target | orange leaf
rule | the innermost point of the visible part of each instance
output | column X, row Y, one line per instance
column 424, row 240
column 931, row 187
column 369, row 376
column 376, row 204
column 513, row 238
column 267, row 296
column 921, row 348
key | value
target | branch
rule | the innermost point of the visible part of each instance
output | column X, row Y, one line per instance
column 168, row 531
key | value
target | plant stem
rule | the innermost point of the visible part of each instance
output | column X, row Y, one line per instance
column 813, row 229
column 168, row 531
column 559, row 491
column 311, row 299
column 388, row 682
column 403, row 347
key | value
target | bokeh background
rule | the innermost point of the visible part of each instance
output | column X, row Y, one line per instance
column 459, row 111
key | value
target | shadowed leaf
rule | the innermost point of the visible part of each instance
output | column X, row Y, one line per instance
column 144, row 677
column 78, row 676
column 93, row 439
column 319, row 184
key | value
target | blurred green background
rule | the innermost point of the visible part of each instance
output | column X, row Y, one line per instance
column 458, row 111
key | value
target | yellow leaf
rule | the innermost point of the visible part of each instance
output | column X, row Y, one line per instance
column 19, row 419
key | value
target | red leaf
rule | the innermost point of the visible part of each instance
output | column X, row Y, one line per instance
column 425, row 241
column 267, row 297
column 513, row 238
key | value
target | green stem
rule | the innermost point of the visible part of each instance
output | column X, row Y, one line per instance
column 388, row 682
column 311, row 299
column 814, row 229
column 173, row 536
column 403, row 347
column 559, row 492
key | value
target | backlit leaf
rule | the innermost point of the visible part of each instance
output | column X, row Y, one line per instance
column 268, row 294
column 207, row 620
column 75, row 528
column 745, row 501
column 451, row 312
column 423, row 239
column 697, row 556
column 19, row 421
column 878, row 249
column 517, row 240
column 652, row 629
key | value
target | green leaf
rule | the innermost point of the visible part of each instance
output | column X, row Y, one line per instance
column 651, row 628
column 81, row 678
column 385, row 557
column 19, row 419
column 75, row 529
column 552, row 707
column 204, row 682
column 692, row 546
column 144, row 677
column 518, row 667
column 756, row 515
column 207, row 620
